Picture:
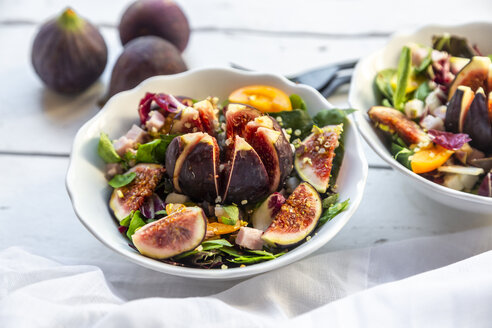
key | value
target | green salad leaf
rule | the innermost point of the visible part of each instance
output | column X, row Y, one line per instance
column 453, row 45
column 402, row 76
column 402, row 154
column 232, row 214
column 154, row 151
column 257, row 256
column 137, row 221
column 422, row 91
column 106, row 151
column 296, row 119
column 121, row 180
column 333, row 211
column 297, row 102
column 424, row 64
column 330, row 200
column 383, row 83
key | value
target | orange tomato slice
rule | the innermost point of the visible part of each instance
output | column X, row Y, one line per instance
column 265, row 98
column 218, row 228
column 429, row 159
column 171, row 208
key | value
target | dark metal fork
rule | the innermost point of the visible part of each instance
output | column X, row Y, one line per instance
column 326, row 79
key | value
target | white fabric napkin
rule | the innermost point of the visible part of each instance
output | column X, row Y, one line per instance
column 411, row 283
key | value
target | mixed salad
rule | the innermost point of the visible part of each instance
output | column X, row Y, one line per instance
column 209, row 185
column 436, row 109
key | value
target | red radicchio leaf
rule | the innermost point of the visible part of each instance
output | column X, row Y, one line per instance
column 276, row 202
column 449, row 140
column 486, row 186
column 167, row 102
column 152, row 205
column 122, row 229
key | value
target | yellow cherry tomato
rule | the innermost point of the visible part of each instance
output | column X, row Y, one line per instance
column 429, row 159
column 172, row 208
column 265, row 98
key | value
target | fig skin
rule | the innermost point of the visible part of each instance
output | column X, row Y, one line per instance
column 142, row 58
column 162, row 18
column 172, row 235
column 473, row 75
column 458, row 108
column 69, row 54
column 245, row 178
column 477, row 124
column 199, row 173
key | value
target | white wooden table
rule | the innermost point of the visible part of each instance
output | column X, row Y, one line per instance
column 287, row 37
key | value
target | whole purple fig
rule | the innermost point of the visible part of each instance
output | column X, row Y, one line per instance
column 162, row 18
column 69, row 54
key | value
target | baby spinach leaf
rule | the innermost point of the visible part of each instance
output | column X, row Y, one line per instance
column 402, row 75
column 126, row 221
column 297, row 102
column 386, row 103
column 106, row 151
column 402, row 154
column 332, row 116
column 121, row 180
column 232, row 211
column 296, row 120
column 136, row 222
column 333, row 211
column 215, row 244
column 154, row 151
column 161, row 212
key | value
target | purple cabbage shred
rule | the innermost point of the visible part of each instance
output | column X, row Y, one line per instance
column 448, row 140
column 485, row 188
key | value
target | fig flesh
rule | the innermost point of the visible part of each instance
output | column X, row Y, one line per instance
column 393, row 121
column 477, row 123
column 188, row 121
column 473, row 75
column 208, row 116
column 130, row 197
column 263, row 216
column 237, row 116
column 296, row 219
column 272, row 147
column 457, row 108
column 245, row 176
column 142, row 58
column 69, row 54
column 172, row 235
column 162, row 18
column 199, row 171
column 314, row 157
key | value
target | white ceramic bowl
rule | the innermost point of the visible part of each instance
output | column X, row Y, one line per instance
column 362, row 96
column 89, row 190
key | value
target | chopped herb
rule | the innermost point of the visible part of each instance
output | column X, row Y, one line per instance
column 154, row 151
column 383, row 83
column 121, row 180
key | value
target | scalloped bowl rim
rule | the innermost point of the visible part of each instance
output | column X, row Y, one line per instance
column 378, row 146
column 327, row 232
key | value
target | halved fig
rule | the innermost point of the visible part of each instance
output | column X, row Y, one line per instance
column 393, row 121
column 172, row 235
column 262, row 132
column 198, row 173
column 477, row 123
column 457, row 108
column 187, row 121
column 130, row 197
column 314, row 157
column 208, row 116
column 263, row 216
column 177, row 151
column 237, row 116
column 297, row 218
column 473, row 75
column 245, row 176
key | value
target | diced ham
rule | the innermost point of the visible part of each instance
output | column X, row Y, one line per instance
column 130, row 139
column 122, row 145
column 440, row 112
column 155, row 122
column 137, row 134
column 113, row 169
column 250, row 238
